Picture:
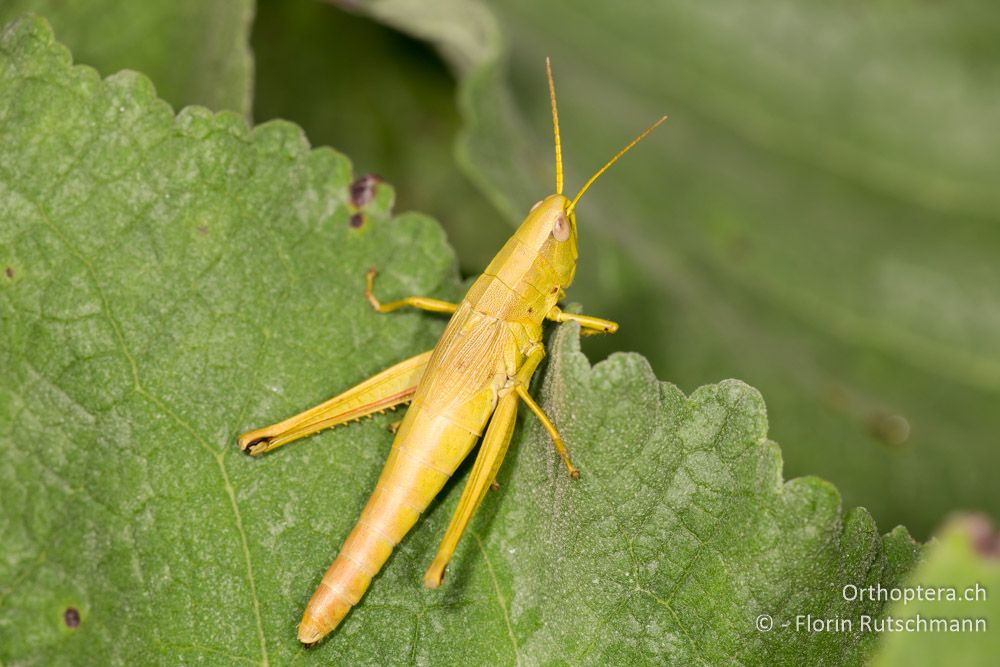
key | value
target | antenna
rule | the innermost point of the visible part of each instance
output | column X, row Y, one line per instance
column 555, row 127
column 611, row 161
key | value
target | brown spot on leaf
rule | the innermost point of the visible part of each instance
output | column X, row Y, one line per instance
column 891, row 429
column 203, row 230
column 71, row 617
column 357, row 220
column 9, row 271
column 363, row 189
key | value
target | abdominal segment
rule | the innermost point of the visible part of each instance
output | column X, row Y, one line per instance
column 427, row 451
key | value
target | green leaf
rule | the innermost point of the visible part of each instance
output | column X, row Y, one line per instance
column 818, row 217
column 963, row 561
column 168, row 282
column 195, row 51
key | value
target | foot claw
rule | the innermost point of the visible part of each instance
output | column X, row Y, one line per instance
column 253, row 446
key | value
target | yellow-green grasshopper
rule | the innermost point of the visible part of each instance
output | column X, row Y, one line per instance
column 472, row 380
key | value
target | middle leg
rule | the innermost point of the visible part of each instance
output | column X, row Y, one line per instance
column 589, row 326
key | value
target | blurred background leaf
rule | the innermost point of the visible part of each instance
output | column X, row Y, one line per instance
column 196, row 51
column 818, row 217
column 965, row 556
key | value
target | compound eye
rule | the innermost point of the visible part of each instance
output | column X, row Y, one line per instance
column 560, row 230
column 535, row 205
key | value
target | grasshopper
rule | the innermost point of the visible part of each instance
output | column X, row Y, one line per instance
column 473, row 380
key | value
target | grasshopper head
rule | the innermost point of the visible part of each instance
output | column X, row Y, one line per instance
column 550, row 232
column 550, row 228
